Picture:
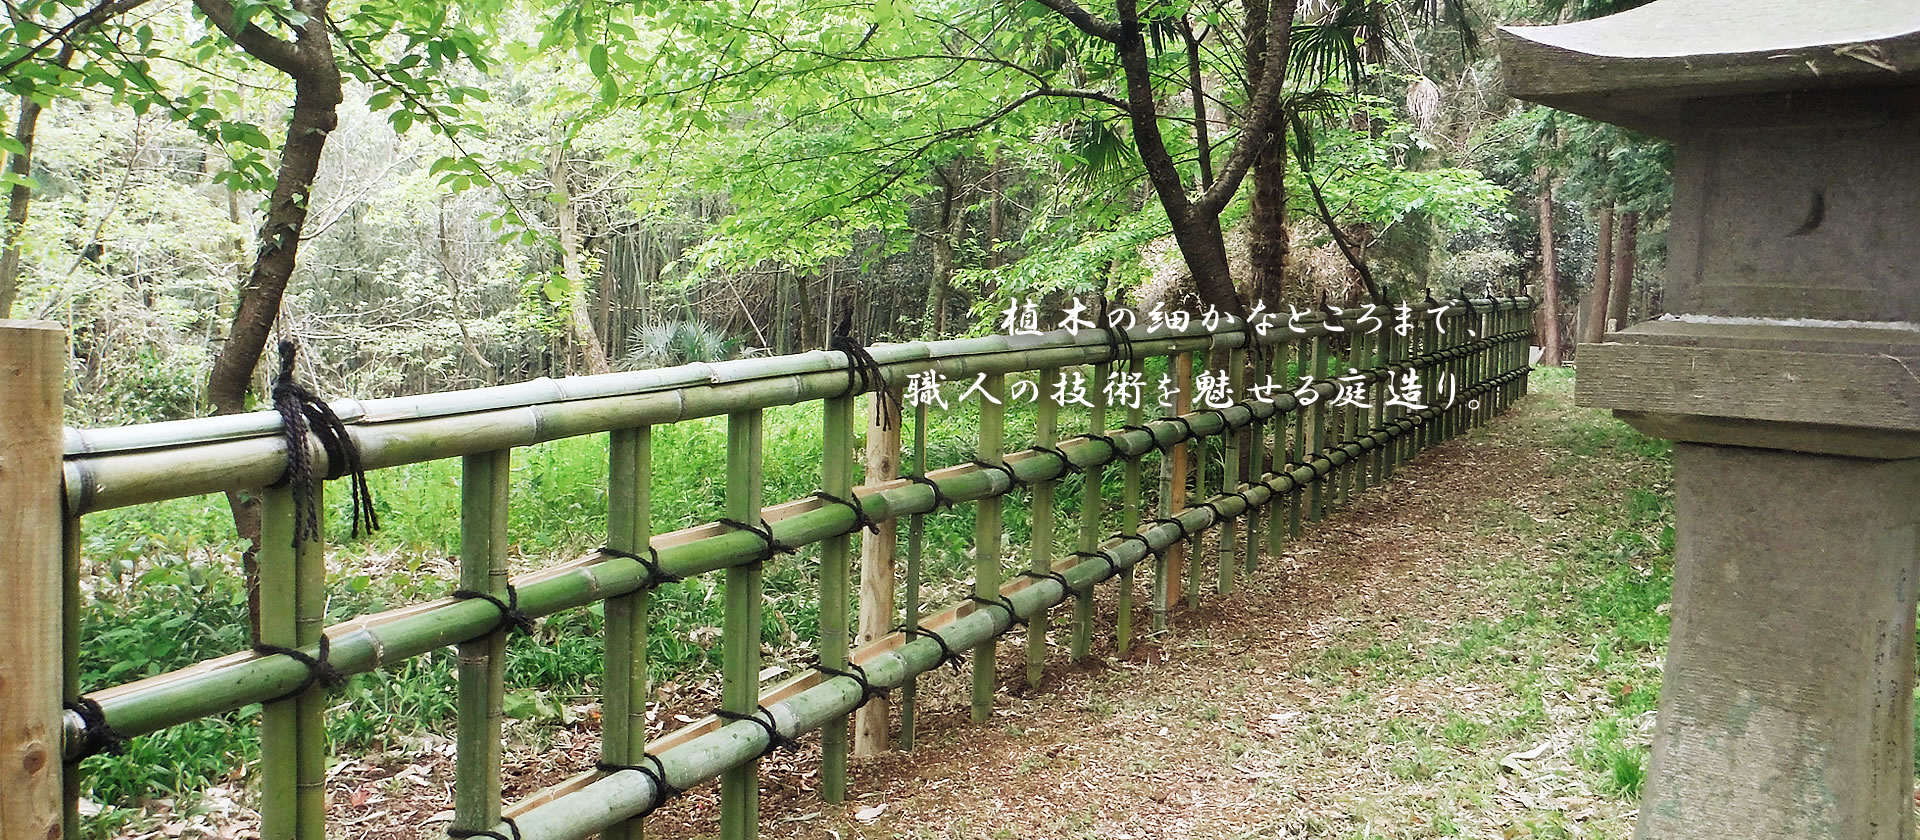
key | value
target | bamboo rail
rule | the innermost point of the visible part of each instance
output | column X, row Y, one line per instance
column 1270, row 467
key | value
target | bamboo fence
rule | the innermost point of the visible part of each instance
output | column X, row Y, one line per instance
column 1284, row 464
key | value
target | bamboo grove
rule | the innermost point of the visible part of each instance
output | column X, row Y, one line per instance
column 1287, row 460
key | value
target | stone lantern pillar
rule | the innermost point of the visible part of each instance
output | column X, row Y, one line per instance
column 1789, row 379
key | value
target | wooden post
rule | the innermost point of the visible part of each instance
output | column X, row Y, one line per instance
column 740, row 625
column 1278, row 454
column 878, row 556
column 1229, row 545
column 1174, row 581
column 987, row 537
column 482, row 662
column 623, row 736
column 32, row 375
column 1317, row 426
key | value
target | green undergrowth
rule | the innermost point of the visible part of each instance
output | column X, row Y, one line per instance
column 163, row 587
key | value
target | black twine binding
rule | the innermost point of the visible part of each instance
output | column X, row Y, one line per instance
column 1013, row 481
column 1175, row 522
column 1119, row 344
column 1114, row 452
column 1225, row 424
column 319, row 670
column 1066, row 464
column 771, row 546
column 863, row 370
column 664, row 790
column 656, row 575
column 775, row 740
column 1151, row 435
column 302, row 412
column 96, row 736
column 940, row 499
column 868, row 690
column 1184, row 424
column 1218, row 517
column 1155, row 553
column 511, row 618
column 1004, row 603
column 852, row 503
column 1056, row 577
column 947, row 656
column 1113, row 566
column 461, row 833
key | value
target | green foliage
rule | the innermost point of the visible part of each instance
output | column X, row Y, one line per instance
column 679, row 343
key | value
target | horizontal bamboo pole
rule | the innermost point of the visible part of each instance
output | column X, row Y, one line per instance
column 109, row 468
column 591, row 806
column 370, row 642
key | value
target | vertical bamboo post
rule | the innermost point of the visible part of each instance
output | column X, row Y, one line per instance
column 1317, row 427
column 836, row 478
column 1045, row 433
column 1367, row 350
column 1130, row 503
column 1390, row 347
column 916, row 543
column 1191, row 559
column 32, row 374
column 623, row 736
column 482, row 662
column 1351, row 480
column 1175, row 496
column 1297, row 446
column 740, row 625
column 1279, row 453
column 279, row 720
column 1092, row 509
column 1229, row 546
column 986, row 536
column 878, row 553
column 310, row 707
column 70, row 644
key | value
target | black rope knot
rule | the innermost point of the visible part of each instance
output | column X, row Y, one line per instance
column 769, row 547
column 302, row 412
column 95, row 735
column 657, row 576
column 654, row 770
column 863, row 370
column 858, row 674
column 1005, row 604
column 852, row 503
column 1175, row 522
column 1184, row 424
column 1114, row 452
column 940, row 499
column 775, row 740
column 1151, row 436
column 1066, row 464
column 1038, row 575
column 462, row 833
column 1013, row 481
column 947, row 654
column 319, row 670
column 511, row 618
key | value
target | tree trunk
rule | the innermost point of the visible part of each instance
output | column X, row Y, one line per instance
column 20, row 197
column 1549, row 275
column 1196, row 87
column 1623, row 255
column 995, row 221
column 952, row 224
column 1267, row 214
column 1596, row 325
column 591, row 350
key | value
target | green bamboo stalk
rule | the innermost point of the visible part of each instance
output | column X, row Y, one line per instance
column 1202, row 460
column 836, row 478
column 1130, row 505
column 279, row 721
column 740, row 625
column 1046, row 433
column 310, row 707
column 986, row 535
column 916, row 543
column 1092, row 508
column 1229, row 545
column 1317, row 426
column 1297, row 442
column 482, row 661
column 1162, row 567
column 1366, row 348
column 1277, row 453
column 623, row 737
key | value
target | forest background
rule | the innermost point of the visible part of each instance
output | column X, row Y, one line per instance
column 521, row 189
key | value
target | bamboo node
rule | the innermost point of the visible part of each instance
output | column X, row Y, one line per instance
column 654, row 770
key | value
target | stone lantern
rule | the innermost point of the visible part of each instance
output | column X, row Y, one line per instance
column 1789, row 380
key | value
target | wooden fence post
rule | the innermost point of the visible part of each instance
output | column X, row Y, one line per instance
column 878, row 553
column 32, row 375
column 740, row 626
column 987, row 525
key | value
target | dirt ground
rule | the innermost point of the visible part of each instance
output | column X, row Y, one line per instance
column 1311, row 701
